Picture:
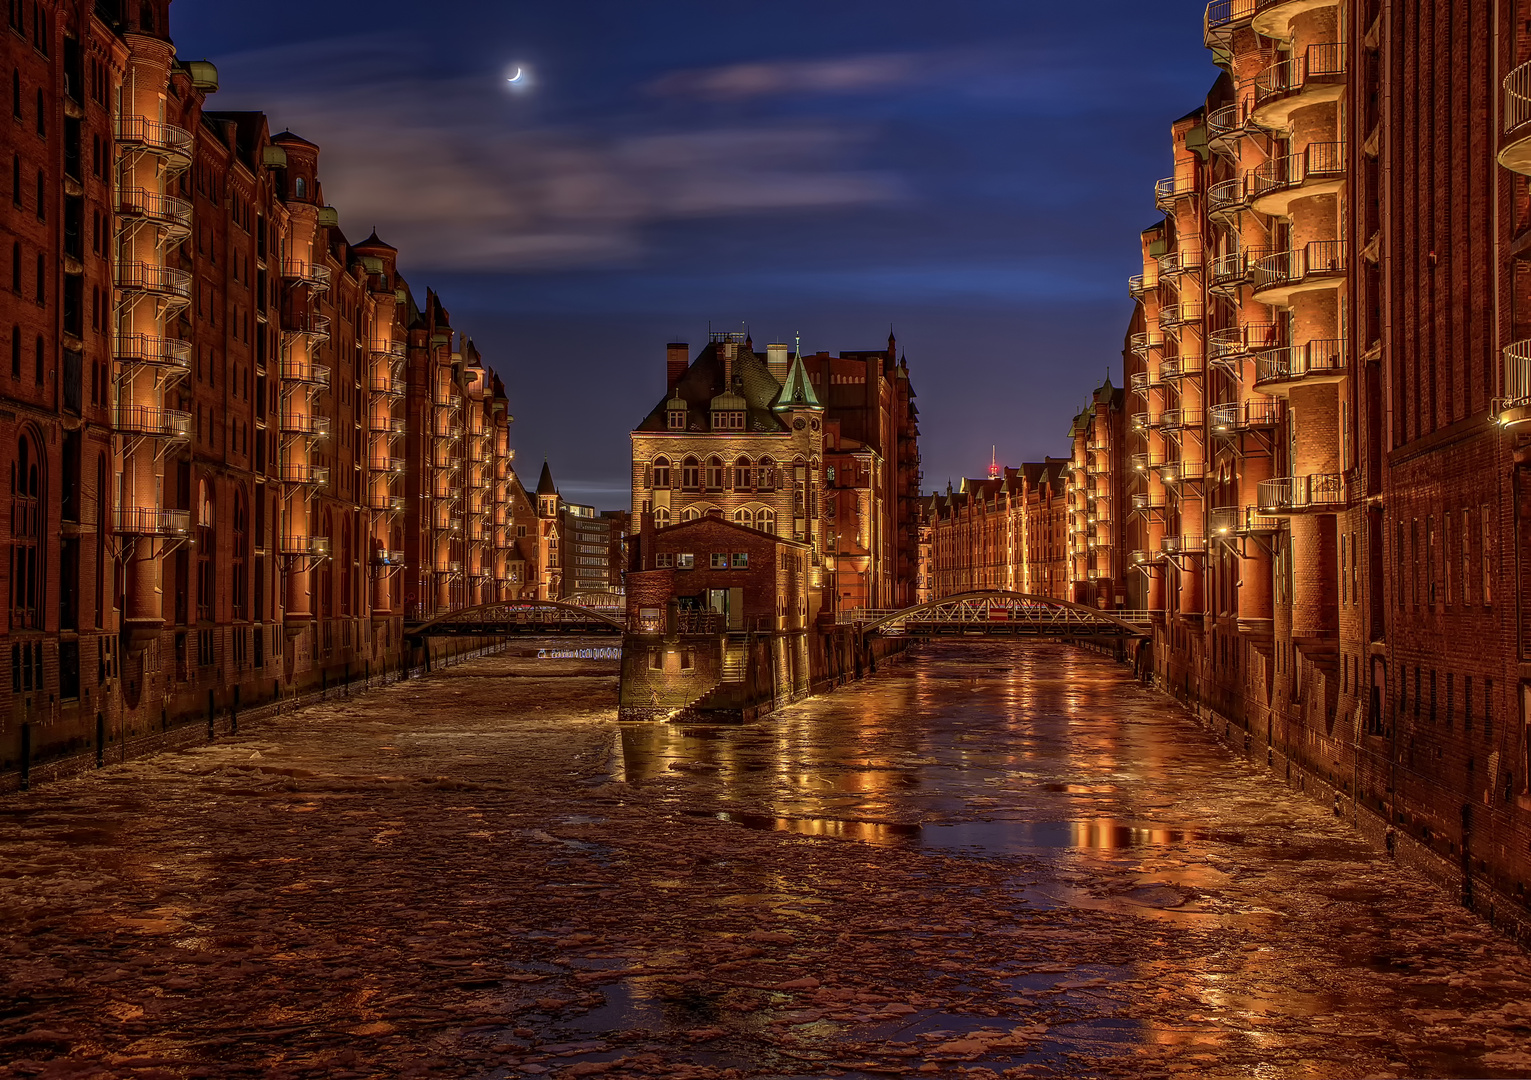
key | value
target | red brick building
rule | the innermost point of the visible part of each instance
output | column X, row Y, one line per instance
column 241, row 449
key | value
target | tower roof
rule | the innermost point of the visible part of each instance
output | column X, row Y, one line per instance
column 545, row 485
column 797, row 391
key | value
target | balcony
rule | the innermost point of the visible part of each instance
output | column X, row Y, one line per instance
column 1313, row 363
column 150, row 279
column 314, row 327
column 1144, row 501
column 1230, row 344
column 1515, row 146
column 1228, row 196
column 1177, row 263
column 393, row 351
column 315, row 427
column 389, row 465
column 1178, row 367
column 1144, row 462
column 1226, row 126
column 317, row 547
column 1181, row 314
column 1142, row 422
column 386, row 504
column 1182, row 472
column 386, row 425
column 304, row 372
column 170, row 215
column 388, row 386
column 150, row 351
column 1230, row 272
column 1186, row 544
column 1171, row 190
column 1230, row 521
column 1281, row 181
column 150, row 521
column 1515, row 407
column 302, row 473
column 1224, row 17
column 1315, row 77
column 1273, row 18
column 1140, row 285
column 151, row 422
column 1147, row 558
column 1176, row 419
column 300, row 272
column 1318, row 265
column 1144, row 340
column 1237, row 416
column 1320, row 493
column 168, row 141
column 385, row 557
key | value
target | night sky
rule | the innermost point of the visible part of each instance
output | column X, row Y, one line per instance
column 973, row 172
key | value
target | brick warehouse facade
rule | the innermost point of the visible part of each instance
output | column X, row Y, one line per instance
column 241, row 451
column 1320, row 488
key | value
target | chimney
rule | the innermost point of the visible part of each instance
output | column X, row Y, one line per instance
column 777, row 362
column 728, row 349
column 677, row 358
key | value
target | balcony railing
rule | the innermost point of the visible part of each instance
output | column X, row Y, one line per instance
column 1302, row 494
column 148, row 421
column 1319, row 161
column 316, row 546
column 153, row 351
column 308, row 424
column 1186, row 311
column 1319, row 65
column 1144, row 462
column 1144, row 500
column 1147, row 558
column 1290, row 269
column 1515, row 406
column 1174, row 472
column 1144, row 340
column 1178, row 367
column 1140, row 285
column 299, row 472
column 302, row 272
column 1239, row 416
column 1224, row 16
column 1320, row 359
column 393, row 350
column 388, row 465
column 1226, row 123
column 387, row 385
column 1241, row 521
column 1232, row 342
column 1172, row 189
column 1185, row 544
column 1179, row 262
column 1515, row 150
column 150, row 521
column 386, row 557
column 1227, row 196
column 1231, row 270
column 155, row 136
column 1142, row 421
column 296, row 369
column 307, row 325
column 1182, row 418
column 168, row 212
column 162, row 281
column 386, row 504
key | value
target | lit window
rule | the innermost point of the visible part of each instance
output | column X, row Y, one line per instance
column 685, row 560
column 741, row 560
column 665, row 560
column 677, row 419
column 718, row 561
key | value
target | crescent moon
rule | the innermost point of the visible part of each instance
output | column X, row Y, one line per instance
column 516, row 77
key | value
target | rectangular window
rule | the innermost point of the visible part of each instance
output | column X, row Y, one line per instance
column 1467, row 556
column 1344, row 577
column 1447, row 563
column 1430, row 573
column 685, row 560
column 1488, row 560
column 740, row 560
column 656, row 659
column 718, row 561
column 664, row 560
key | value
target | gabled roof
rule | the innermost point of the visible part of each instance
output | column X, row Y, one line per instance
column 374, row 242
column 703, row 381
column 718, row 519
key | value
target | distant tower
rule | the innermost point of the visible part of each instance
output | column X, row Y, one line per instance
column 994, row 470
column 547, row 494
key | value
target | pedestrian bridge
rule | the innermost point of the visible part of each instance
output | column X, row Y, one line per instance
column 998, row 613
column 597, row 613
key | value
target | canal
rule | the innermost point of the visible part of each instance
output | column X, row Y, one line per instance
column 991, row 859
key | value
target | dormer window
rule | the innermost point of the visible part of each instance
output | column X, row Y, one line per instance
column 729, row 420
column 677, row 421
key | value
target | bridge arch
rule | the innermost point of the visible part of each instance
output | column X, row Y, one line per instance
column 486, row 618
column 976, row 608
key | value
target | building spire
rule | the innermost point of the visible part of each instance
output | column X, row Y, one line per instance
column 994, row 463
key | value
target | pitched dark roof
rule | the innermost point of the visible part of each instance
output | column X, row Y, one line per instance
column 290, row 137
column 545, row 485
column 703, row 381
column 374, row 242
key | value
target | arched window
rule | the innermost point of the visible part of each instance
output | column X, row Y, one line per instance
column 765, row 475
column 661, row 517
column 714, row 474
column 299, row 188
column 240, row 579
column 690, row 513
column 744, row 517
column 690, row 474
column 207, row 581
column 765, row 521
column 742, row 474
column 26, row 535
column 661, row 473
